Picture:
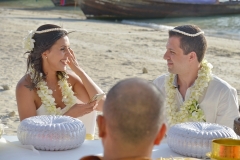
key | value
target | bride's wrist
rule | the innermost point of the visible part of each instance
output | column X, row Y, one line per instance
column 79, row 71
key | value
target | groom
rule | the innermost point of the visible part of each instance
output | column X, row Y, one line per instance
column 190, row 90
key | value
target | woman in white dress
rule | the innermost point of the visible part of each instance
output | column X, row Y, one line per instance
column 48, row 87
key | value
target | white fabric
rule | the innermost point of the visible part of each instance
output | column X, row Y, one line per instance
column 89, row 120
column 13, row 151
column 219, row 101
column 43, row 111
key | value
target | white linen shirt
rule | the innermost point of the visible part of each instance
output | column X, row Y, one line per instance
column 219, row 101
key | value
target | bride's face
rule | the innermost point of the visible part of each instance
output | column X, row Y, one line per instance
column 57, row 55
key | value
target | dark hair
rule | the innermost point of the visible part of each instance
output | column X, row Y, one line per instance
column 134, row 110
column 43, row 42
column 197, row 44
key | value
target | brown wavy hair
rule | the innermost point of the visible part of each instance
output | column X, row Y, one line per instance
column 43, row 42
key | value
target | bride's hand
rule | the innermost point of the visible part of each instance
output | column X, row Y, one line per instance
column 82, row 109
column 72, row 61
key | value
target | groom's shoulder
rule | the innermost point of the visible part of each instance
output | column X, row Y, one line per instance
column 219, row 82
column 160, row 78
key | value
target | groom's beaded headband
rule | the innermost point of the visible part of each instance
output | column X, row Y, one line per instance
column 28, row 42
column 187, row 34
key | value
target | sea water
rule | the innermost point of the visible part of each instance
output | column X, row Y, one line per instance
column 220, row 26
column 225, row 26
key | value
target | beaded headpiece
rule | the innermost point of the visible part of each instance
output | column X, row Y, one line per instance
column 187, row 34
column 28, row 41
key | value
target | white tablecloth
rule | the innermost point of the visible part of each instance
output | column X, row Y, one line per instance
column 13, row 151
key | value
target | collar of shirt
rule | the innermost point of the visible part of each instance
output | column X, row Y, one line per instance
column 175, row 84
column 180, row 97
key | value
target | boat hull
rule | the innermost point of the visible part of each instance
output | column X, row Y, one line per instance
column 126, row 9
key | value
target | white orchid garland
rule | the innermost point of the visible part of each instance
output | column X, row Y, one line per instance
column 28, row 41
column 49, row 101
column 190, row 110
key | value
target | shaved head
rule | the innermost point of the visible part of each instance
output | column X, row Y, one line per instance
column 134, row 110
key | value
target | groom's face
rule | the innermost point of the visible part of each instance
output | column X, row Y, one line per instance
column 175, row 57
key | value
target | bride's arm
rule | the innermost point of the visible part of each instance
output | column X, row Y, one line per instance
column 85, row 83
column 25, row 99
column 79, row 110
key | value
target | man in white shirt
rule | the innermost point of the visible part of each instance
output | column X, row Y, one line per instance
column 191, row 91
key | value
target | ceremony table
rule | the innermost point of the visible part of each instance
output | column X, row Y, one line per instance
column 11, row 149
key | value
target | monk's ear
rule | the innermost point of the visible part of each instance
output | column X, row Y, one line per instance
column 160, row 134
column 101, row 126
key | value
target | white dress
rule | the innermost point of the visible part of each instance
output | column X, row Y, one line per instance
column 89, row 120
column 219, row 102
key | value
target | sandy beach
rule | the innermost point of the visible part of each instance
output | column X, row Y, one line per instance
column 107, row 51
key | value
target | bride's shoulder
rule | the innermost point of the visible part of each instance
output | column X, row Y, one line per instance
column 25, row 84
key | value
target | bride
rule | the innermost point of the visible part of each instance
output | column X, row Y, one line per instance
column 48, row 87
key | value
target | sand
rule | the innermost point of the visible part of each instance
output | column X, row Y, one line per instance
column 107, row 51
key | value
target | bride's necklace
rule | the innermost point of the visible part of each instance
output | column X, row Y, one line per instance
column 54, row 89
column 49, row 101
column 190, row 110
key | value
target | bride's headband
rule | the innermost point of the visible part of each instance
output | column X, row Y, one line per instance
column 187, row 34
column 28, row 42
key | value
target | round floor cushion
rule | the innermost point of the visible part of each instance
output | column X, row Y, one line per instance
column 194, row 139
column 51, row 132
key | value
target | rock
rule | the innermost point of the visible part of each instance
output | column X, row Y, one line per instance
column 6, row 87
column 144, row 70
column 12, row 114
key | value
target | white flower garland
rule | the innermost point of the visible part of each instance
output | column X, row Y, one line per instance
column 28, row 42
column 49, row 101
column 190, row 110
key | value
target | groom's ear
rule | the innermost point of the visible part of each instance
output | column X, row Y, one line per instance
column 192, row 56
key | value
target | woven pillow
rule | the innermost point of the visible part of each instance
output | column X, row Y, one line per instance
column 51, row 132
column 194, row 139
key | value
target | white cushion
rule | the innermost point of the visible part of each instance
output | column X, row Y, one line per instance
column 194, row 139
column 51, row 132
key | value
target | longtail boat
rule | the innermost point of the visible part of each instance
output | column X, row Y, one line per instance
column 65, row 2
column 134, row 9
